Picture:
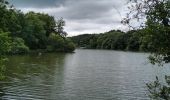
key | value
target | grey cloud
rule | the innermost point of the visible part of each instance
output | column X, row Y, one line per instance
column 86, row 9
column 81, row 15
column 36, row 3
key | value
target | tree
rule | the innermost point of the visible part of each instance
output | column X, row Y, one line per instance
column 157, row 34
column 69, row 46
column 4, row 14
column 49, row 23
column 157, row 25
column 34, row 33
column 57, row 43
column 134, row 42
column 60, row 27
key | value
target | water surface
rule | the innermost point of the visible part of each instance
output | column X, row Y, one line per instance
column 83, row 75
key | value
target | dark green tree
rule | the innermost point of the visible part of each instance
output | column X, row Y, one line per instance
column 60, row 27
column 34, row 33
column 58, row 43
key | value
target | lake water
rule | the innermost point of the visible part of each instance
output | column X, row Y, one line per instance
column 83, row 75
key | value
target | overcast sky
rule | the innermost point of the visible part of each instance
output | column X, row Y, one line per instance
column 81, row 16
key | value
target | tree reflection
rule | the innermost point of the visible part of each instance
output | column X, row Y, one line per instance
column 2, row 67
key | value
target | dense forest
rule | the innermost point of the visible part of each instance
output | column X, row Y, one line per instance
column 114, row 40
column 21, row 32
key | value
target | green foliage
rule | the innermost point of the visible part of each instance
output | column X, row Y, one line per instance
column 34, row 33
column 110, row 40
column 40, row 32
column 134, row 42
column 3, row 11
column 158, row 90
column 49, row 23
column 157, row 26
column 33, row 29
column 55, row 43
column 58, row 43
column 5, row 42
column 69, row 46
column 156, row 38
column 18, row 46
column 83, row 40
column 115, row 40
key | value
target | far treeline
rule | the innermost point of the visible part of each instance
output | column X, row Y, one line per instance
column 133, row 40
column 21, row 32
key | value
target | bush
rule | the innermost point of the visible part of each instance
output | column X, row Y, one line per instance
column 57, row 43
column 18, row 46
column 69, row 46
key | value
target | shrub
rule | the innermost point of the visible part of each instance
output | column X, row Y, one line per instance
column 58, row 43
column 18, row 46
column 69, row 46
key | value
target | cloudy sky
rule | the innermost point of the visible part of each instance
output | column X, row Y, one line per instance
column 81, row 16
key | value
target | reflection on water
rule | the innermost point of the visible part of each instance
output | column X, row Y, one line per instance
column 83, row 75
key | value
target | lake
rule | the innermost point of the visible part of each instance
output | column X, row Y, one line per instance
column 83, row 75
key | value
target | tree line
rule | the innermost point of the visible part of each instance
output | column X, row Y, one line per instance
column 114, row 40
